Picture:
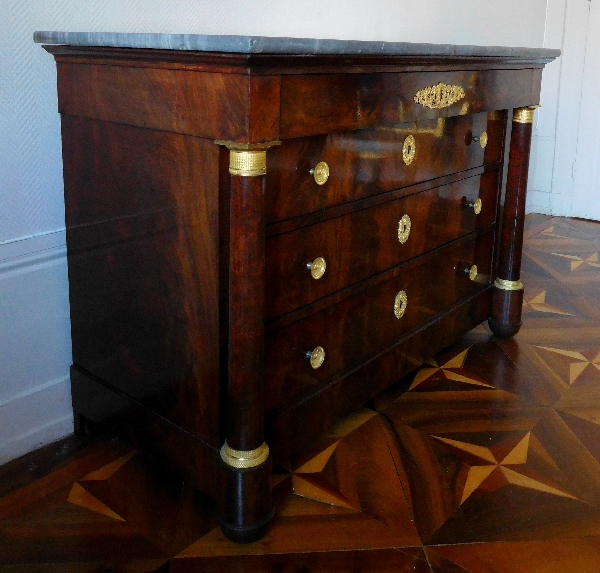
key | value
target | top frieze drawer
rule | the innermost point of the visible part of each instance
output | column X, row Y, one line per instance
column 327, row 103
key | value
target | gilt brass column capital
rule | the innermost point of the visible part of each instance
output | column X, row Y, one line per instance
column 524, row 114
column 247, row 159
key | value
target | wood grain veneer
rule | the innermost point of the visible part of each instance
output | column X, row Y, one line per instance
column 192, row 308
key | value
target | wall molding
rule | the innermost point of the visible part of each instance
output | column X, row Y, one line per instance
column 31, row 243
column 28, row 254
column 35, row 390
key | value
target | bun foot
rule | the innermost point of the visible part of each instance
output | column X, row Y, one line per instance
column 244, row 502
column 246, row 534
column 506, row 311
column 504, row 330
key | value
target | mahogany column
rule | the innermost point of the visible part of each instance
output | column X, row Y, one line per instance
column 505, row 320
column 244, row 505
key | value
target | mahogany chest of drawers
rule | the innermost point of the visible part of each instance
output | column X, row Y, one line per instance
column 259, row 243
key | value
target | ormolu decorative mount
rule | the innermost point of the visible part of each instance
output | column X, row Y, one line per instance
column 404, row 226
column 409, row 150
column 439, row 96
column 508, row 285
column 524, row 114
column 400, row 304
column 247, row 160
column 244, row 459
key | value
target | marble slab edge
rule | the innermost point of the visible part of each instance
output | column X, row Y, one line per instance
column 274, row 45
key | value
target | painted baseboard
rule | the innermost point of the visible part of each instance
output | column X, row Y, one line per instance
column 35, row 344
column 36, row 438
column 35, row 417
column 538, row 202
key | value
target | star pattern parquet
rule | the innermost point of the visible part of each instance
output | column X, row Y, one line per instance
column 484, row 460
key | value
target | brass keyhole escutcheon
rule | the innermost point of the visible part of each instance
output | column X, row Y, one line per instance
column 320, row 173
column 317, row 267
column 316, row 357
column 472, row 272
column 409, row 150
column 404, row 228
column 400, row 304
column 476, row 205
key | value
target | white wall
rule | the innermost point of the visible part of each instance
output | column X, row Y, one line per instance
column 564, row 175
column 586, row 172
column 576, row 15
column 34, row 315
column 35, row 347
column 543, row 144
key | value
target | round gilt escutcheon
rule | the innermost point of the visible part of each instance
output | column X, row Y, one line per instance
column 321, row 173
column 409, row 150
column 316, row 357
column 400, row 304
column 483, row 139
column 404, row 228
column 477, row 206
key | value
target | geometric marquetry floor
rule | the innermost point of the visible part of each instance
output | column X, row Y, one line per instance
column 486, row 460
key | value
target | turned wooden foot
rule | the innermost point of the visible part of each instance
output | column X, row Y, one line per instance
column 506, row 312
column 245, row 505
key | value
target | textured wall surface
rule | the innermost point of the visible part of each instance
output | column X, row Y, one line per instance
column 34, row 314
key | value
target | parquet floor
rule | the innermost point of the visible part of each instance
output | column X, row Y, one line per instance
column 486, row 460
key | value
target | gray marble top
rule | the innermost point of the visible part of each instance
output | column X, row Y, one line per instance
column 270, row 45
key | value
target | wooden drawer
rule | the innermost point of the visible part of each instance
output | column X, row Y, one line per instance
column 325, row 103
column 371, row 161
column 364, row 324
column 366, row 242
